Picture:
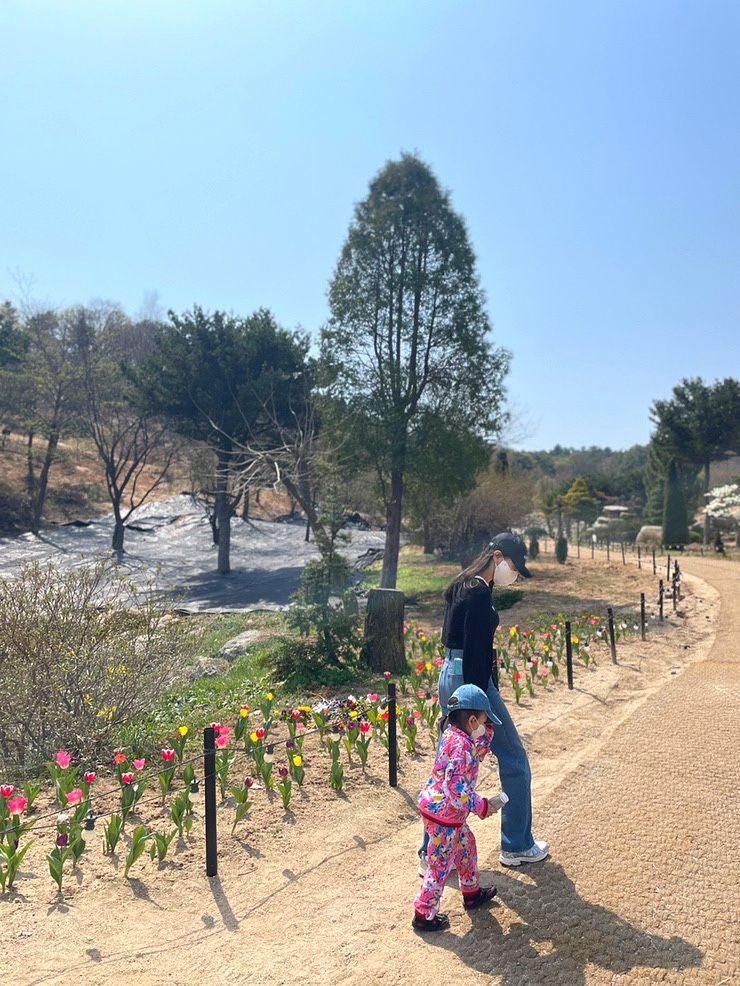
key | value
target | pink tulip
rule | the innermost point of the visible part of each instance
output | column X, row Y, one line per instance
column 75, row 796
column 300, row 727
column 140, row 763
column 89, row 776
column 16, row 806
column 372, row 697
column 6, row 790
column 222, row 742
column 63, row 759
column 168, row 755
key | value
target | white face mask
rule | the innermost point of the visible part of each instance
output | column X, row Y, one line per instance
column 503, row 575
column 479, row 731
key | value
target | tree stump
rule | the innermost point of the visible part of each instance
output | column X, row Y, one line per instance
column 384, row 647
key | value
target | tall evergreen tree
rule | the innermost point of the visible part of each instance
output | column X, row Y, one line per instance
column 408, row 329
column 675, row 517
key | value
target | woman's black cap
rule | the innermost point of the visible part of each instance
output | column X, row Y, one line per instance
column 511, row 546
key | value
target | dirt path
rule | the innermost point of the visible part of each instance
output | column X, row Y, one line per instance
column 637, row 791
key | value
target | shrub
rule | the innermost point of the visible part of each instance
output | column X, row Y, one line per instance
column 324, row 613
column 561, row 549
column 534, row 547
column 80, row 653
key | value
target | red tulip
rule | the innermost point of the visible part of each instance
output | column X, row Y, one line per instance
column 295, row 714
column 248, row 782
column 16, row 806
column 89, row 776
column 365, row 727
column 168, row 755
column 6, row 790
column 127, row 778
column 119, row 758
column 260, row 733
column 386, row 675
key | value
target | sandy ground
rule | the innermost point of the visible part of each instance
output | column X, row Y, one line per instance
column 172, row 543
column 635, row 786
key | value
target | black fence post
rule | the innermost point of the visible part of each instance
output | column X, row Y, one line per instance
column 569, row 654
column 660, row 601
column 668, row 569
column 608, row 544
column 642, row 616
column 655, row 570
column 612, row 641
column 392, row 736
column 624, row 560
column 674, row 594
column 639, row 562
column 578, row 547
column 592, row 550
column 209, row 775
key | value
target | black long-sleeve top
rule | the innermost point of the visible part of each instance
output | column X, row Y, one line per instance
column 469, row 624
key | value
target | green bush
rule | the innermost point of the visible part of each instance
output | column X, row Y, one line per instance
column 325, row 616
column 561, row 549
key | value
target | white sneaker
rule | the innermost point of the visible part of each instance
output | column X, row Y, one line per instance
column 423, row 864
column 539, row 851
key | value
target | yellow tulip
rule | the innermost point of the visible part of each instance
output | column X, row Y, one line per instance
column 297, row 761
column 244, row 712
column 512, row 632
column 575, row 640
column 183, row 731
column 269, row 696
column 254, row 737
column 429, row 665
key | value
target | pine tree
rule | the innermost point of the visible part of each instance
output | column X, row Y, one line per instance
column 675, row 518
column 408, row 333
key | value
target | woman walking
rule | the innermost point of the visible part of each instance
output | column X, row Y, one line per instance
column 470, row 621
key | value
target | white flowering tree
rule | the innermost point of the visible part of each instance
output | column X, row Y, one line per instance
column 723, row 503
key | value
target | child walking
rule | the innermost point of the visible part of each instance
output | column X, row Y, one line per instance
column 445, row 803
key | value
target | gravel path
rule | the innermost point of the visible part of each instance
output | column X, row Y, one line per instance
column 644, row 883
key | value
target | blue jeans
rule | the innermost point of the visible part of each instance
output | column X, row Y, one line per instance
column 513, row 765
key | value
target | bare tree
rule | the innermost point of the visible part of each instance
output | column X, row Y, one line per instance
column 135, row 448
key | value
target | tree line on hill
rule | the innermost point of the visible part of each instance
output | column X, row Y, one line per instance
column 398, row 407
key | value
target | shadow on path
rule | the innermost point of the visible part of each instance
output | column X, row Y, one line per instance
column 559, row 934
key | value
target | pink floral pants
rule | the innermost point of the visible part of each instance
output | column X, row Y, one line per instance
column 448, row 848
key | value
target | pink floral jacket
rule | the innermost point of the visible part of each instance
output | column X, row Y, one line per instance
column 449, row 795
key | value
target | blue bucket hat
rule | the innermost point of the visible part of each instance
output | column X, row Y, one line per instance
column 474, row 699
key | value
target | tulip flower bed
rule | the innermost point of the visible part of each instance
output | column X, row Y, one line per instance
column 266, row 752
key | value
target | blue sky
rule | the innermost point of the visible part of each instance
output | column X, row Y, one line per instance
column 212, row 151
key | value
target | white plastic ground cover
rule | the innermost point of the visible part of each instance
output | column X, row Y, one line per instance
column 171, row 540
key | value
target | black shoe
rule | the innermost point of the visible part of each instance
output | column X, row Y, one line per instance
column 484, row 896
column 438, row 923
